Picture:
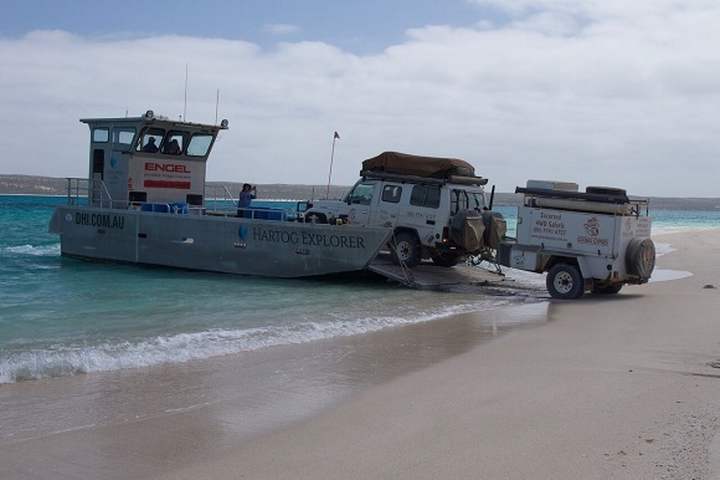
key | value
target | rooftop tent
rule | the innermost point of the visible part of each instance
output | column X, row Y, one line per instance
column 405, row 164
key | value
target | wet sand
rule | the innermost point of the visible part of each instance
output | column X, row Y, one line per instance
column 143, row 423
column 601, row 388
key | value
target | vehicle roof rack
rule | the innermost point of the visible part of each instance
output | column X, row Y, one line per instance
column 396, row 177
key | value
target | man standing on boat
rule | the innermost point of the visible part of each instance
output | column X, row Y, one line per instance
column 247, row 194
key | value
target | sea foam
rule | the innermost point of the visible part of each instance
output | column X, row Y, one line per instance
column 33, row 250
column 63, row 360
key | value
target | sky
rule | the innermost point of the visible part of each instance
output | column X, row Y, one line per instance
column 601, row 92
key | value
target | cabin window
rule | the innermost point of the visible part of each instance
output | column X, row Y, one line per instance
column 151, row 140
column 123, row 136
column 101, row 135
column 137, row 197
column 391, row 193
column 362, row 194
column 427, row 196
column 199, row 145
column 174, row 143
column 194, row 199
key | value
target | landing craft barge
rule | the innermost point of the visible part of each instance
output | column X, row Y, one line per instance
column 145, row 202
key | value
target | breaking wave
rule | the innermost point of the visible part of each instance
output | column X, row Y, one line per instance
column 34, row 250
column 63, row 360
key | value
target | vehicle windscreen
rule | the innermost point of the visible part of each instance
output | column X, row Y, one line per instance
column 362, row 194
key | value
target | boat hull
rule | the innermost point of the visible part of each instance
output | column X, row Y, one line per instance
column 216, row 243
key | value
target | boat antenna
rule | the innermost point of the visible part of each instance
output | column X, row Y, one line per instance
column 332, row 159
column 217, row 104
column 186, row 93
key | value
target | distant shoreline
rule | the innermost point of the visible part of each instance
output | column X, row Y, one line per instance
column 34, row 185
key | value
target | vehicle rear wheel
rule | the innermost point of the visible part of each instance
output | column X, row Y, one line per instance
column 445, row 259
column 406, row 249
column 564, row 281
column 607, row 289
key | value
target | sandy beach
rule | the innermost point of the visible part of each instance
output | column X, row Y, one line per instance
column 604, row 387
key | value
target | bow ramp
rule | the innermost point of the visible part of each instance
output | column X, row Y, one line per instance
column 427, row 276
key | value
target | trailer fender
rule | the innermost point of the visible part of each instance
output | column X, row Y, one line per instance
column 585, row 267
column 583, row 264
column 593, row 269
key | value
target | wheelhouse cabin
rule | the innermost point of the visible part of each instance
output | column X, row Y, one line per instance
column 147, row 160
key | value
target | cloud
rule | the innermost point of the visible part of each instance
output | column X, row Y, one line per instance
column 627, row 100
column 599, row 8
column 280, row 28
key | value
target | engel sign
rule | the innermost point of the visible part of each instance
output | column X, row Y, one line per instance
column 169, row 174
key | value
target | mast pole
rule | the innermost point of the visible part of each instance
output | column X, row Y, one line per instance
column 186, row 94
column 332, row 159
column 217, row 104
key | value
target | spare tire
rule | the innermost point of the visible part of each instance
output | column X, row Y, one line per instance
column 467, row 230
column 495, row 228
column 640, row 258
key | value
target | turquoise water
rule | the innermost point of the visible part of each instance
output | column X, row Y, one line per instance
column 60, row 316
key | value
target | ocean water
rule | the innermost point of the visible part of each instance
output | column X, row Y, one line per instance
column 61, row 316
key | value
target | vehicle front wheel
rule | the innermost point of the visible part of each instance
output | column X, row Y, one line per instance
column 406, row 249
column 607, row 289
column 445, row 259
column 564, row 281
column 313, row 217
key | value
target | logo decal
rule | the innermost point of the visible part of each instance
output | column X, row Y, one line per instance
column 592, row 227
column 592, row 234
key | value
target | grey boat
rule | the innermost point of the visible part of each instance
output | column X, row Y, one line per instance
column 145, row 202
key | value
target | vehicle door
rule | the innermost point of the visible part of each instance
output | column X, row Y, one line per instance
column 423, row 212
column 477, row 199
column 360, row 201
column 388, row 205
column 460, row 200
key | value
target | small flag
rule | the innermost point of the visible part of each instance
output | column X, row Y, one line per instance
column 336, row 136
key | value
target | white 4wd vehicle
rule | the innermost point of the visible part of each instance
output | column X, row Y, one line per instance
column 421, row 198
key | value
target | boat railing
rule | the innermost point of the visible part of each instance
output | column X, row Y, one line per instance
column 220, row 201
column 274, row 214
column 219, row 197
column 92, row 191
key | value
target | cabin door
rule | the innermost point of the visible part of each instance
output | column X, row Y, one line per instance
column 98, row 175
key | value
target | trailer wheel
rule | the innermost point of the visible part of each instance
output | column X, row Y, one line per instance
column 607, row 289
column 405, row 249
column 564, row 281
